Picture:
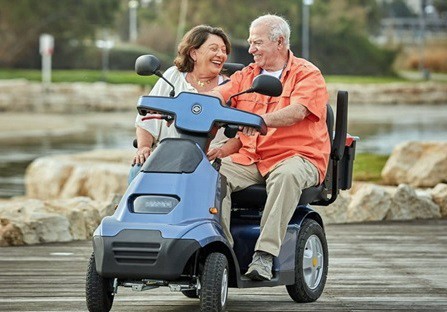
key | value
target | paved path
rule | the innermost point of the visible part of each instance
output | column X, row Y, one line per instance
column 398, row 266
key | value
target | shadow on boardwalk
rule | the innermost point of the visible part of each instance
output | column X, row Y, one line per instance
column 373, row 266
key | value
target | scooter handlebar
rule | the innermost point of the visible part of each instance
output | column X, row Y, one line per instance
column 199, row 113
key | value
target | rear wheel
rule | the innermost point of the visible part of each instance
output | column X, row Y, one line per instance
column 98, row 290
column 311, row 263
column 214, row 283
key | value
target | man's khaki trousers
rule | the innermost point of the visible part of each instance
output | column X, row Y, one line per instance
column 284, row 184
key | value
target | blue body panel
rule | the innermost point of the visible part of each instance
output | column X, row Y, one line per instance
column 245, row 236
column 196, row 192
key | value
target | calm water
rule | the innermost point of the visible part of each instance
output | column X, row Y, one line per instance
column 379, row 129
column 14, row 158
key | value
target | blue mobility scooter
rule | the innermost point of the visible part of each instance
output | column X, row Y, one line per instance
column 166, row 230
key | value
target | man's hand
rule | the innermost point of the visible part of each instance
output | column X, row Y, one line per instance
column 248, row 131
column 141, row 156
column 215, row 153
column 231, row 146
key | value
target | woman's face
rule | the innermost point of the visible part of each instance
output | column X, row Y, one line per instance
column 211, row 55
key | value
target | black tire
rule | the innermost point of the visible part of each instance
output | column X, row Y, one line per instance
column 98, row 290
column 190, row 293
column 310, row 273
column 214, row 283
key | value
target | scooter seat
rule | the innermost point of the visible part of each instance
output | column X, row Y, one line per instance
column 254, row 196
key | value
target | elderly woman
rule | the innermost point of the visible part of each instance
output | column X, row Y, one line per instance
column 201, row 55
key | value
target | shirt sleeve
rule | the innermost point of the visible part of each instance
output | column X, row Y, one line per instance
column 311, row 92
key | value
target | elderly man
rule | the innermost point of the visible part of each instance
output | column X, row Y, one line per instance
column 293, row 155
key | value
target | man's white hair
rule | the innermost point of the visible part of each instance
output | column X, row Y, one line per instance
column 278, row 27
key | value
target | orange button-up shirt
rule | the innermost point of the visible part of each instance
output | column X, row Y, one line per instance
column 302, row 83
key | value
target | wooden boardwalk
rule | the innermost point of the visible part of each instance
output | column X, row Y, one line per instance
column 388, row 266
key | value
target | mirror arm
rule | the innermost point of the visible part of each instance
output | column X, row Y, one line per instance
column 228, row 103
column 159, row 74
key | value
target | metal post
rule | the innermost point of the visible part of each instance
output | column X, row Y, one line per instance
column 305, row 28
column 133, row 31
column 105, row 45
column 181, row 23
column 46, row 47
column 46, row 70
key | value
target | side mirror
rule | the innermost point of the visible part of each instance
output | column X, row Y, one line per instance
column 147, row 65
column 267, row 85
column 263, row 84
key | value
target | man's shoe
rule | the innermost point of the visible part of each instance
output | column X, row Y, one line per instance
column 260, row 269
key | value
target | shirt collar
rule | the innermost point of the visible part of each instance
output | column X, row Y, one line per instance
column 258, row 69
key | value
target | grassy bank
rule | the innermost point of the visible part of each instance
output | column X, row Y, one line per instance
column 117, row 77
column 132, row 78
column 367, row 167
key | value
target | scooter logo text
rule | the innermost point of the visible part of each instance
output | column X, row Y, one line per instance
column 196, row 109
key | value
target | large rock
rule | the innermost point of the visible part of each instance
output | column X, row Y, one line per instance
column 408, row 205
column 369, row 203
column 32, row 221
column 337, row 211
column 439, row 195
column 100, row 175
column 419, row 164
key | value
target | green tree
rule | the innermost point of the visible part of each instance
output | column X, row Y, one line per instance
column 340, row 43
column 339, row 29
column 69, row 21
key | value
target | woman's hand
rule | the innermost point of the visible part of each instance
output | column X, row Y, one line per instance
column 144, row 141
column 141, row 156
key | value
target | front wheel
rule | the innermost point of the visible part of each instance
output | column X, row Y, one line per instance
column 311, row 263
column 214, row 288
column 98, row 290
column 190, row 293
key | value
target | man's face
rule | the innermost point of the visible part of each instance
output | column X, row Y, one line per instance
column 265, row 52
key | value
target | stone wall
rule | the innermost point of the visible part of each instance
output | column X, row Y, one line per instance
column 68, row 195
column 393, row 93
column 21, row 95
column 34, row 221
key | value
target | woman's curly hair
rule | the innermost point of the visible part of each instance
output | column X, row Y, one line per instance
column 194, row 39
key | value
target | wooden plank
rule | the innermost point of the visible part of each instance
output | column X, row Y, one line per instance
column 383, row 266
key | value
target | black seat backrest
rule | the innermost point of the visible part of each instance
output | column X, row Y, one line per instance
column 230, row 68
column 330, row 123
column 255, row 195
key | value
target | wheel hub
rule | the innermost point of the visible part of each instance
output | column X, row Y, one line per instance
column 313, row 259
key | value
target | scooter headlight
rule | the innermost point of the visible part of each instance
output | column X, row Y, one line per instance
column 156, row 204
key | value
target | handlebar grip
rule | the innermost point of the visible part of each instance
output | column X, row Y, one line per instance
column 158, row 116
column 231, row 131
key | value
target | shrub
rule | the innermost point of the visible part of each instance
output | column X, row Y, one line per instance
column 350, row 54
